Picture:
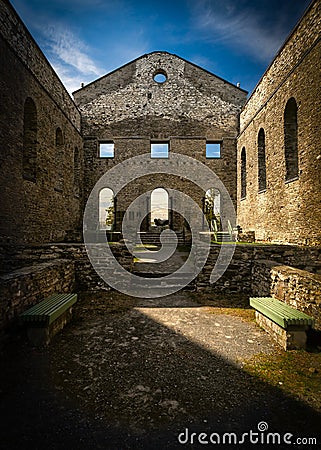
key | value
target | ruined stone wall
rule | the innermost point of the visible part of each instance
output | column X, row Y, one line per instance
column 26, row 287
column 254, row 271
column 129, row 108
column 298, row 288
column 237, row 277
column 286, row 211
column 250, row 268
column 46, row 208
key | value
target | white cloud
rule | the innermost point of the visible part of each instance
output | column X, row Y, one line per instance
column 70, row 78
column 69, row 49
column 222, row 22
column 70, row 56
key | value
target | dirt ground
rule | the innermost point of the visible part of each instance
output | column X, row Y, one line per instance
column 132, row 373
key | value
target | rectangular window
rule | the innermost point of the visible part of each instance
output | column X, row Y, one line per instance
column 106, row 150
column 159, row 149
column 213, row 149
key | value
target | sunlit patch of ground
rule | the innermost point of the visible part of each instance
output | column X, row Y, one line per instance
column 296, row 372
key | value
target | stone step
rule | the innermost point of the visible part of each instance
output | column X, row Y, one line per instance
column 152, row 237
column 223, row 236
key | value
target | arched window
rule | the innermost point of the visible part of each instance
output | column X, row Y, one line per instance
column 59, row 137
column 30, row 130
column 106, row 209
column 59, row 160
column 261, row 161
column 291, row 140
column 159, row 205
column 243, row 173
column 76, row 172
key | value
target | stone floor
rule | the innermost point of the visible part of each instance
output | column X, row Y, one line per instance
column 134, row 374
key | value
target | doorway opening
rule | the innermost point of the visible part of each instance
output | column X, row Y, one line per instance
column 106, row 209
column 159, row 207
column 212, row 208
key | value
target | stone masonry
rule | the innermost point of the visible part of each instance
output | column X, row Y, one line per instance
column 38, row 210
column 286, row 211
column 129, row 108
column 269, row 162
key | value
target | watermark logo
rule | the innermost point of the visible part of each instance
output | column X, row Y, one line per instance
column 133, row 169
column 260, row 436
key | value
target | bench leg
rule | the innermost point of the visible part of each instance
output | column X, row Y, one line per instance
column 288, row 339
column 38, row 336
column 296, row 339
column 42, row 335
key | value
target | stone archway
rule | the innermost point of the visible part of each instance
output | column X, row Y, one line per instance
column 106, row 209
column 212, row 207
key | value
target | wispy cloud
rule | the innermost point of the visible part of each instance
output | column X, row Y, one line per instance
column 69, row 49
column 238, row 26
column 71, row 79
column 69, row 55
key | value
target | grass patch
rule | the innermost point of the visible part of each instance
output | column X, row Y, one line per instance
column 142, row 247
column 259, row 244
column 245, row 314
column 296, row 372
column 218, row 300
column 232, row 304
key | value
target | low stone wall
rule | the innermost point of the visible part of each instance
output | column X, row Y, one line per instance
column 297, row 288
column 243, row 275
column 16, row 257
column 304, row 258
column 252, row 271
column 25, row 287
column 86, row 277
column 39, row 271
column 262, row 277
column 237, row 277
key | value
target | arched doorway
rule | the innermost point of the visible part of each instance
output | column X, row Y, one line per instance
column 106, row 209
column 159, row 205
column 212, row 208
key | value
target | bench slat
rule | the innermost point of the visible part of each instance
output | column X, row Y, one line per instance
column 282, row 314
column 48, row 303
column 49, row 309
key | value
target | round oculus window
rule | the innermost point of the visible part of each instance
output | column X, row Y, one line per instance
column 160, row 76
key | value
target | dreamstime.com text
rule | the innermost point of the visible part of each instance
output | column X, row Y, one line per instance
column 259, row 437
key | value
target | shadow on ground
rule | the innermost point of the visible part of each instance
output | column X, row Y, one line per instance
column 136, row 375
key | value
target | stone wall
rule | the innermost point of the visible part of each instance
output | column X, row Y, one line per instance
column 246, row 275
column 261, row 277
column 46, row 208
column 36, row 271
column 130, row 109
column 286, row 211
column 19, row 40
column 25, row 287
column 237, row 277
column 298, row 288
column 16, row 258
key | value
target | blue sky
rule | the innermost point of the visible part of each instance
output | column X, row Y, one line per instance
column 234, row 39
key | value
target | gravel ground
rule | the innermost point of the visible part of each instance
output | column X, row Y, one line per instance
column 134, row 374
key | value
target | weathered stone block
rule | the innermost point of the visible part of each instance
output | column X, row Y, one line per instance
column 287, row 339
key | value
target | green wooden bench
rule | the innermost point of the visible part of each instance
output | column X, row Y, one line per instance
column 48, row 317
column 287, row 325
